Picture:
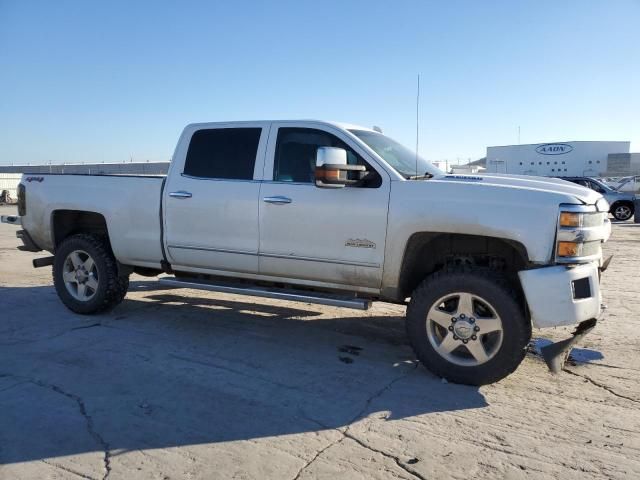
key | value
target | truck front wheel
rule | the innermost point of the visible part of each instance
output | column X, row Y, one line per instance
column 85, row 275
column 467, row 326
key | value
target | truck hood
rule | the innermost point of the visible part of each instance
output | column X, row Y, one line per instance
column 525, row 182
column 519, row 208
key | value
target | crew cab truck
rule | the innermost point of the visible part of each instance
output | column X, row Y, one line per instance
column 333, row 214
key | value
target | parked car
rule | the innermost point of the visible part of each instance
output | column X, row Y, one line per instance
column 628, row 185
column 622, row 203
column 612, row 182
column 333, row 214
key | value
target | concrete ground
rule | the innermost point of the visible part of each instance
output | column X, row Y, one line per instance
column 185, row 384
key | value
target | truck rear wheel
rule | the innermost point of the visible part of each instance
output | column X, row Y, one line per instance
column 467, row 326
column 85, row 275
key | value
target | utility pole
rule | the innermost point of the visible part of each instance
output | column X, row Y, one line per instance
column 417, row 122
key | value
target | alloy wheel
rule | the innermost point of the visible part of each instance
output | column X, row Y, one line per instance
column 464, row 329
column 80, row 275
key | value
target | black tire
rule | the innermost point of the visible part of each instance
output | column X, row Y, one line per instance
column 516, row 329
column 111, row 288
column 622, row 211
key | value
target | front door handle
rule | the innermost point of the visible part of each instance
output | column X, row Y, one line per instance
column 180, row 194
column 278, row 200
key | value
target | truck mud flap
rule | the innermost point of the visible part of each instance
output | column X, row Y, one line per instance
column 556, row 354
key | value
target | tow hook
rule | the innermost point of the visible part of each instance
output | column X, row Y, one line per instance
column 556, row 354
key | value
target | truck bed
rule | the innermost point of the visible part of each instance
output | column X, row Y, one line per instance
column 130, row 205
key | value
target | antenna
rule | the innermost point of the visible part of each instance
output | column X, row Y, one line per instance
column 417, row 122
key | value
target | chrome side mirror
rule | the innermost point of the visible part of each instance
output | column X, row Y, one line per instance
column 332, row 168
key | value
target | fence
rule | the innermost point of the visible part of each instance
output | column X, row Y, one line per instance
column 132, row 168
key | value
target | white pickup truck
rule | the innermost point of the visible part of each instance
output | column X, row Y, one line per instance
column 333, row 214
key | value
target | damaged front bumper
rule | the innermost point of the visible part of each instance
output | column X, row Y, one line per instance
column 556, row 354
column 563, row 295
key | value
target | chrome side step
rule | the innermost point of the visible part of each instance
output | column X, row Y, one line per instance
column 280, row 294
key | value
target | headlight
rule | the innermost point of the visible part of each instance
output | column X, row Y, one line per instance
column 602, row 205
column 570, row 219
column 569, row 249
column 577, row 249
column 581, row 231
column 581, row 219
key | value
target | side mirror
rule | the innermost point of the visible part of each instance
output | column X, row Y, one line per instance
column 332, row 169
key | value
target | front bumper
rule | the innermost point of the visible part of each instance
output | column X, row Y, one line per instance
column 562, row 294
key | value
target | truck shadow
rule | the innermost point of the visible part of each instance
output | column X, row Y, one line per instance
column 166, row 370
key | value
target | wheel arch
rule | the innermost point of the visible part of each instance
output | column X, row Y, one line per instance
column 65, row 223
column 428, row 252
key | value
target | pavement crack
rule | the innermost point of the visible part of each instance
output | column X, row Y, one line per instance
column 317, row 455
column 601, row 385
column 13, row 386
column 106, row 449
column 43, row 339
column 81, row 327
column 90, row 427
column 396, row 459
column 379, row 393
column 68, row 470
column 346, row 433
column 234, row 371
column 359, row 416
column 577, row 363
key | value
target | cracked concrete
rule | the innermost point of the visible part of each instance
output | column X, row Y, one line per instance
column 347, row 435
column 601, row 385
column 90, row 428
column 82, row 410
column 182, row 384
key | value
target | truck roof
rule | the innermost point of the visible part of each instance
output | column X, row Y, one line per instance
column 343, row 125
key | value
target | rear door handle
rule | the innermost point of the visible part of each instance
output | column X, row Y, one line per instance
column 278, row 200
column 180, row 194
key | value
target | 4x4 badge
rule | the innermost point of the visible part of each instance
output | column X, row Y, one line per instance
column 359, row 243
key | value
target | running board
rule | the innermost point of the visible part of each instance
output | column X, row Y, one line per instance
column 280, row 294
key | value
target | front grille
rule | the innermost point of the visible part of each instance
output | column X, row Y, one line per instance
column 22, row 200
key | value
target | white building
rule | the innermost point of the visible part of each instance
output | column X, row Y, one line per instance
column 566, row 159
column 442, row 165
column 467, row 169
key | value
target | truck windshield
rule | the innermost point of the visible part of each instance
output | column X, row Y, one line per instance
column 398, row 156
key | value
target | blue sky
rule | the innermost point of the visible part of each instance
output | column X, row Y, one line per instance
column 110, row 81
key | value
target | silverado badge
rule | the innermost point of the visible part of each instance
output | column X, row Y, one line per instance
column 359, row 243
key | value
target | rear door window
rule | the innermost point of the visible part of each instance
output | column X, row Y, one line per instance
column 223, row 153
